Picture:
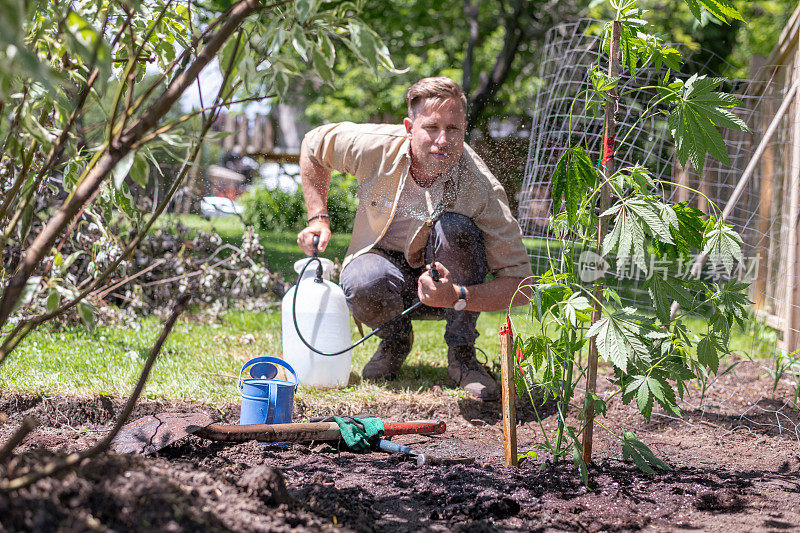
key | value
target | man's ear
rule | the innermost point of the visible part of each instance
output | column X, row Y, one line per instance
column 408, row 123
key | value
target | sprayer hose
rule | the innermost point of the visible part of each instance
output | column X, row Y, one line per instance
column 361, row 340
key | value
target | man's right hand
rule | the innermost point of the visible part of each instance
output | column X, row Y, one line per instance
column 305, row 237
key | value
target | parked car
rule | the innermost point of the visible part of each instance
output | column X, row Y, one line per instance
column 216, row 206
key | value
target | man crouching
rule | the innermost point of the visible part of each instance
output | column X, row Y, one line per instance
column 408, row 174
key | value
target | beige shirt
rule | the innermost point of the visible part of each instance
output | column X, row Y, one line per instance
column 415, row 203
column 378, row 156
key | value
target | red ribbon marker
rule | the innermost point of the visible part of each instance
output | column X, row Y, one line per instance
column 506, row 329
column 608, row 150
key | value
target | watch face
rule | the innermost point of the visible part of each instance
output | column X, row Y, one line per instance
column 460, row 305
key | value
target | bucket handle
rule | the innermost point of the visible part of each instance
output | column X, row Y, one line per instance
column 266, row 359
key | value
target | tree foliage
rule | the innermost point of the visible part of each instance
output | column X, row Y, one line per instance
column 87, row 99
column 489, row 45
column 726, row 48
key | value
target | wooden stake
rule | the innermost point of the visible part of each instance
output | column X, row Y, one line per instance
column 680, row 175
column 509, row 398
column 605, row 201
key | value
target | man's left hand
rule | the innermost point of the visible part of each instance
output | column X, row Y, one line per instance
column 442, row 293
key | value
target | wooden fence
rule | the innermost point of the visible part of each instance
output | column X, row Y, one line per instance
column 255, row 136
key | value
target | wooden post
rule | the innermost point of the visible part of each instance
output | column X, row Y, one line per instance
column 256, row 139
column 765, row 211
column 680, row 175
column 704, row 186
column 605, row 201
column 791, row 335
column 230, row 125
column 269, row 135
column 241, row 134
column 509, row 392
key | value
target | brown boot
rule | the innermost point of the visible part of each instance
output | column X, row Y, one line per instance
column 388, row 358
column 463, row 368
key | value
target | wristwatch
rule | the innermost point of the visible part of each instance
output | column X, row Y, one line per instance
column 461, row 303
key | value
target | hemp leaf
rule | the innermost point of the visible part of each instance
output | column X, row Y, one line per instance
column 731, row 302
column 577, row 308
column 573, row 177
column 546, row 296
column 666, row 56
column 635, row 216
column 534, row 351
column 619, row 337
column 645, row 459
column 723, row 245
column 707, row 354
column 627, row 234
column 602, row 83
column 638, row 177
column 649, row 388
column 722, row 9
column 697, row 113
column 664, row 290
column 688, row 234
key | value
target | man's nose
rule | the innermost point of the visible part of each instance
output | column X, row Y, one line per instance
column 441, row 137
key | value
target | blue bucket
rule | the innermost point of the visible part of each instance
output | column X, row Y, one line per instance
column 266, row 400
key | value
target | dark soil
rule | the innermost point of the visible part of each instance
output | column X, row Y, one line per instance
column 734, row 458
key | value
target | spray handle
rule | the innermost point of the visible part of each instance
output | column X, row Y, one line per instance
column 434, row 272
column 315, row 255
column 315, row 242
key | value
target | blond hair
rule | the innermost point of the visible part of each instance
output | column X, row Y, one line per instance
column 434, row 90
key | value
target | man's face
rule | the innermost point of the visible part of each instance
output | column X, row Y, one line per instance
column 437, row 137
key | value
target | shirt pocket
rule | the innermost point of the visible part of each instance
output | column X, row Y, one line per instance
column 378, row 204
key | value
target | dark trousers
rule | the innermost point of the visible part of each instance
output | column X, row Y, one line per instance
column 381, row 284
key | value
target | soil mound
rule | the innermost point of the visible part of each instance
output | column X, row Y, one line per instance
column 734, row 460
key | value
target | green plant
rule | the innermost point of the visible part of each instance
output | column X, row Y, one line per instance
column 786, row 366
column 274, row 209
column 653, row 357
column 278, row 210
column 342, row 202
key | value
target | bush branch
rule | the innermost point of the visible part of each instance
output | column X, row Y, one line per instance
column 118, row 149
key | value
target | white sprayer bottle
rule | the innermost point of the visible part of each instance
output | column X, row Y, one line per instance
column 324, row 321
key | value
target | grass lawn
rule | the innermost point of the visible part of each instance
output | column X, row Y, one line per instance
column 202, row 357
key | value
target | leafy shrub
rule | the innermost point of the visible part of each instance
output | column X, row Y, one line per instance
column 277, row 210
column 274, row 209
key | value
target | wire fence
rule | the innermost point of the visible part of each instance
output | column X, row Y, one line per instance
column 763, row 209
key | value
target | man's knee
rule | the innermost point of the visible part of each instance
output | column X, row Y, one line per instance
column 371, row 288
column 367, row 288
column 459, row 245
column 459, row 230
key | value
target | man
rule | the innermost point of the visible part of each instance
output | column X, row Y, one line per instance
column 409, row 174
